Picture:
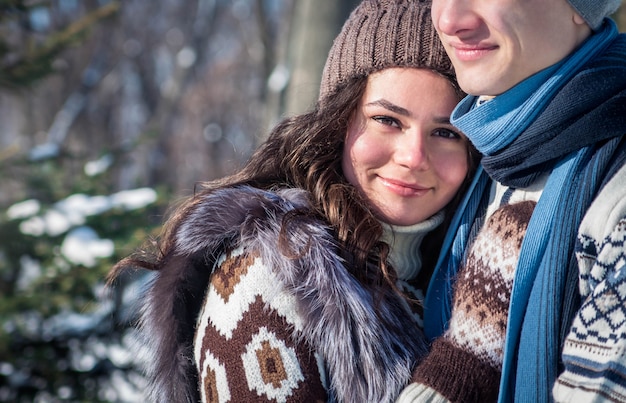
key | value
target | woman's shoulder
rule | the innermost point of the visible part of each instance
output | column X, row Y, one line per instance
column 243, row 270
column 243, row 282
column 223, row 234
column 235, row 213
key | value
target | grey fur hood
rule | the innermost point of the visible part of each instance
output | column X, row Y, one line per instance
column 369, row 346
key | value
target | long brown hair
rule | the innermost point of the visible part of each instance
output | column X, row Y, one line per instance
column 305, row 151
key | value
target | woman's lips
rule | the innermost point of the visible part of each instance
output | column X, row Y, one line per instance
column 403, row 188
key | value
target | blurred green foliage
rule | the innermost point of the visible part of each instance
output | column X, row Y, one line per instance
column 38, row 357
column 62, row 336
column 25, row 56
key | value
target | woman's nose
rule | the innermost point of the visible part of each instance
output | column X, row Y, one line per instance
column 412, row 151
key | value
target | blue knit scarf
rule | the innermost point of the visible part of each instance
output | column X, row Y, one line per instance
column 569, row 120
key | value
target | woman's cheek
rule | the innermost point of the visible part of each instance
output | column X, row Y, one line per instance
column 452, row 166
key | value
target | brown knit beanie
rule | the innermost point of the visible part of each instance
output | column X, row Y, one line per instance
column 380, row 34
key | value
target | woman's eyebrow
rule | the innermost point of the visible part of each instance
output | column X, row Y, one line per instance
column 445, row 120
column 390, row 106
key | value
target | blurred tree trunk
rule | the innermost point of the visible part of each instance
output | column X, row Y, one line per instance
column 315, row 25
column 294, row 82
column 620, row 17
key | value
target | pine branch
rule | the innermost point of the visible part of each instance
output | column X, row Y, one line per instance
column 38, row 62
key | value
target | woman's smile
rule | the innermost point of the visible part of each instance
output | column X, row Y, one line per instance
column 404, row 189
column 401, row 151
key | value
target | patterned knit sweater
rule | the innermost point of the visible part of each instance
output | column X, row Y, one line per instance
column 465, row 363
column 249, row 343
column 233, row 317
column 565, row 322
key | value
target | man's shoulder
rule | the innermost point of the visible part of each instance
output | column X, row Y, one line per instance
column 608, row 208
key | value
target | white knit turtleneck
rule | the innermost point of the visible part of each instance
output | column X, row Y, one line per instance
column 404, row 243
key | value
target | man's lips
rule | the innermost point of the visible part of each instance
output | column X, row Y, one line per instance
column 467, row 53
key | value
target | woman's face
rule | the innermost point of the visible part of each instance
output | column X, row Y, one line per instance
column 401, row 151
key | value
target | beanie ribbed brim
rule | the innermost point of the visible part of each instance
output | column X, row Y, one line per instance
column 594, row 11
column 380, row 34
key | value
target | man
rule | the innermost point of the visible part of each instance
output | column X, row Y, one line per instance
column 528, row 301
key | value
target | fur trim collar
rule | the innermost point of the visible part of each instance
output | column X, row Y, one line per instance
column 369, row 346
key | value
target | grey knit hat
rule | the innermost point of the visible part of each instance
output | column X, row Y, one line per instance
column 380, row 34
column 594, row 11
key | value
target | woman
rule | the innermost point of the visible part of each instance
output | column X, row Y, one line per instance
column 296, row 278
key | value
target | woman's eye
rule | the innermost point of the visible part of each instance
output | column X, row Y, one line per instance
column 446, row 133
column 387, row 121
